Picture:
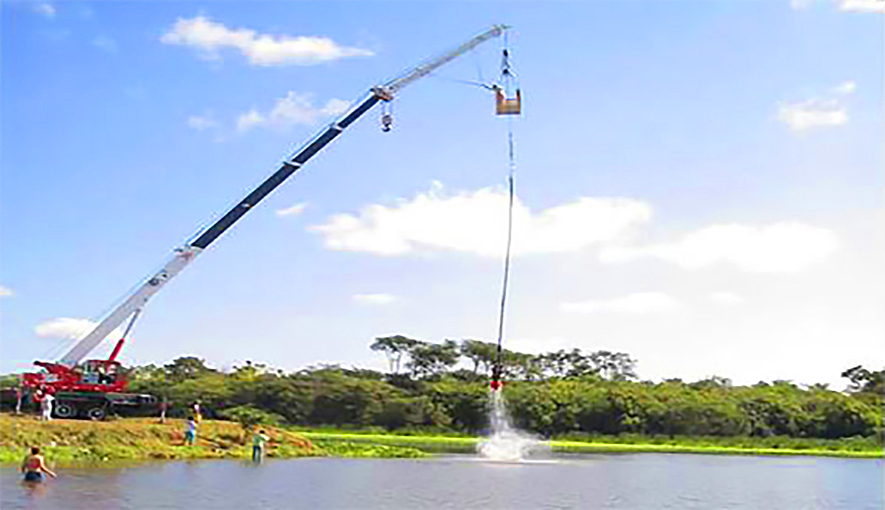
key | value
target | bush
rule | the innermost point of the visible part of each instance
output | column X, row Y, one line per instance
column 248, row 416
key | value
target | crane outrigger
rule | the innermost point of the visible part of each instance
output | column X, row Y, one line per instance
column 89, row 388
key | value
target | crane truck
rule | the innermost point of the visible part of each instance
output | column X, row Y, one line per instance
column 95, row 387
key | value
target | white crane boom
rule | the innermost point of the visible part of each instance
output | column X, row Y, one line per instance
column 184, row 255
column 431, row 65
column 181, row 257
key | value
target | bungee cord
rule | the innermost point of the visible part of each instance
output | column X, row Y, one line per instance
column 506, row 106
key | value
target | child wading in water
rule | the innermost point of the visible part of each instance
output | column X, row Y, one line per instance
column 34, row 466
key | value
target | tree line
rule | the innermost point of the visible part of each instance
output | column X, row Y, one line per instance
column 430, row 360
column 428, row 387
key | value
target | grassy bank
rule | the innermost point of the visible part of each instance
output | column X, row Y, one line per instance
column 854, row 448
column 77, row 441
column 134, row 439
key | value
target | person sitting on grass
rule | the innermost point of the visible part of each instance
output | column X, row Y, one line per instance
column 259, row 439
column 34, row 466
column 190, row 435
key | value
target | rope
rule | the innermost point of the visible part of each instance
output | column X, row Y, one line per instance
column 499, row 355
column 507, row 78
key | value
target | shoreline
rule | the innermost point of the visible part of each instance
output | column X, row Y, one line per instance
column 72, row 442
column 449, row 444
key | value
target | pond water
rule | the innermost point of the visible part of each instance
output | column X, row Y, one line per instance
column 626, row 481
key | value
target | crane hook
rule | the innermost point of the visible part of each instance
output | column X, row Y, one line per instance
column 386, row 117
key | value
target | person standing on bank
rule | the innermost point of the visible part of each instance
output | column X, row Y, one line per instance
column 259, row 439
column 190, row 435
column 46, row 406
column 18, row 399
column 163, row 407
column 196, row 408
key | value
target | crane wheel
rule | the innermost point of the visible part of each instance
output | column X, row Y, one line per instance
column 96, row 413
column 65, row 410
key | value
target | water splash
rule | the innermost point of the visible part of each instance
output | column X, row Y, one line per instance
column 506, row 443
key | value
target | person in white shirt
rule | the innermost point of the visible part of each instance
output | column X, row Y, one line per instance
column 46, row 406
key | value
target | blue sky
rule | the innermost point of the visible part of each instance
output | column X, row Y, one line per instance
column 700, row 183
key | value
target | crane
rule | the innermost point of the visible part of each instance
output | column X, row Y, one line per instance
column 89, row 388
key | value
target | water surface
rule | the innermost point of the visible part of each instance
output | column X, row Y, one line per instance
column 622, row 481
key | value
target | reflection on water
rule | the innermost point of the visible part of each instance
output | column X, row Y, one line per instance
column 32, row 489
column 633, row 481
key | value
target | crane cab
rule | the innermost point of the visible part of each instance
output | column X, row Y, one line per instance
column 99, row 371
column 96, row 375
column 507, row 106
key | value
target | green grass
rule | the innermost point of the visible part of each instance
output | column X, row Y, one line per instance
column 427, row 444
column 133, row 439
column 337, row 448
column 136, row 439
column 624, row 444
column 599, row 447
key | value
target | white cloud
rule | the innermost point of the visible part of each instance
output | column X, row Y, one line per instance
column 861, row 5
column 777, row 248
column 202, row 122
column 812, row 114
column 726, row 298
column 209, row 37
column 843, row 5
column 6, row 291
column 476, row 222
column 374, row 299
column 637, row 303
column 105, row 43
column 295, row 210
column 249, row 120
column 70, row 328
column 818, row 112
column 45, row 9
column 845, row 88
column 65, row 327
column 293, row 109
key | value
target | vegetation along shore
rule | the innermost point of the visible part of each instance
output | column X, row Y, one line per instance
column 435, row 399
column 135, row 439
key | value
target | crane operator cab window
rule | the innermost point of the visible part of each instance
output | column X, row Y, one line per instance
column 99, row 372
